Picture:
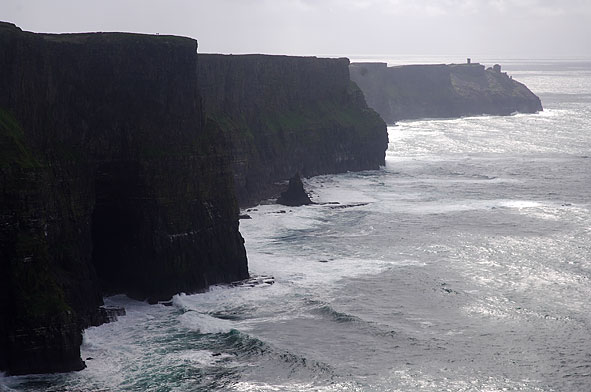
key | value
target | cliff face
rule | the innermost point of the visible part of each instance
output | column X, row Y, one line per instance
column 111, row 180
column 438, row 91
column 289, row 114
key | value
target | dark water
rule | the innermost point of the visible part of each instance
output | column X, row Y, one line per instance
column 467, row 270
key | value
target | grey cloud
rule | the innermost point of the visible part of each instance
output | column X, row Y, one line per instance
column 347, row 27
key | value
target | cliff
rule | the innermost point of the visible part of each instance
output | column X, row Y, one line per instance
column 117, row 177
column 439, row 91
column 112, row 180
column 287, row 115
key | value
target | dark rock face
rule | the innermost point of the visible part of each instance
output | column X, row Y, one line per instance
column 295, row 195
column 51, row 347
column 114, row 180
column 289, row 114
column 111, row 180
column 439, row 91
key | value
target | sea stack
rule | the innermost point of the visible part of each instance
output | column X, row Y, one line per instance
column 295, row 195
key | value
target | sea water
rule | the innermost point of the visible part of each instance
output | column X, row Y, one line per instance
column 463, row 265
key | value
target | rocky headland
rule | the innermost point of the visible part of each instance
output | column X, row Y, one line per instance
column 287, row 115
column 441, row 91
column 122, row 161
column 112, row 181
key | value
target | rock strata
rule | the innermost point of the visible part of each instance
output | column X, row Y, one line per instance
column 112, row 180
column 289, row 114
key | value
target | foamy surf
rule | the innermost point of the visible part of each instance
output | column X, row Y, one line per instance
column 204, row 323
column 462, row 265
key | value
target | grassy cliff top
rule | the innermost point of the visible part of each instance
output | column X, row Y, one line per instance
column 117, row 38
column 254, row 56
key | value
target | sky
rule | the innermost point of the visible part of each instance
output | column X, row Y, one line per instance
column 467, row 28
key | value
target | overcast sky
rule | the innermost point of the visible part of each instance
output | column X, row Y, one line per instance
column 522, row 28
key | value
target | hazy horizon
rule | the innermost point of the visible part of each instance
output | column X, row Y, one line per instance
column 357, row 28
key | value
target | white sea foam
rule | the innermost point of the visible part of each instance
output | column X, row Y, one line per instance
column 345, row 189
column 519, row 204
column 3, row 381
column 204, row 323
column 199, row 357
column 246, row 386
column 413, row 380
column 445, row 206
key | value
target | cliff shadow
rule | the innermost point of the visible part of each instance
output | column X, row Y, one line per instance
column 116, row 226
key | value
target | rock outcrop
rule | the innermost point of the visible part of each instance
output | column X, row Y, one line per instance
column 295, row 195
column 289, row 114
column 111, row 180
column 440, row 91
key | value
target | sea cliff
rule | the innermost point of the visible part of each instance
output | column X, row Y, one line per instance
column 122, row 161
column 440, row 91
column 286, row 115
column 112, row 181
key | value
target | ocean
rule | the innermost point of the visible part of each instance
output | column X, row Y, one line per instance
column 462, row 265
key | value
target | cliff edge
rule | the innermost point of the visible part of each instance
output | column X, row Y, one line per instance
column 440, row 91
column 112, row 180
column 122, row 161
column 287, row 115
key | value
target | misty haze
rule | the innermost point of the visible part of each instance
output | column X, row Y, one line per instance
column 295, row 195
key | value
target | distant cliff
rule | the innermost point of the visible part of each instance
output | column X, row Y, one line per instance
column 289, row 114
column 438, row 91
column 111, row 180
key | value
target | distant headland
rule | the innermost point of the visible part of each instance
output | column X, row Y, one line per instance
column 441, row 91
